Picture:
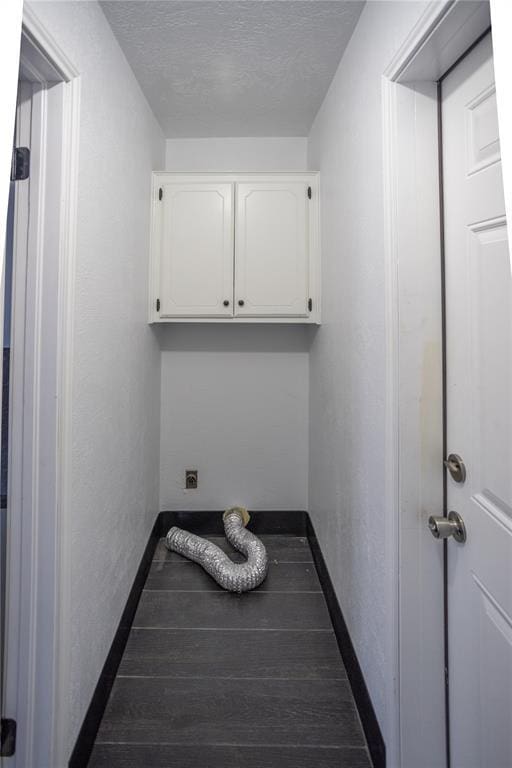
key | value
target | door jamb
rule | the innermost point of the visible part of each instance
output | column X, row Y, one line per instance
column 414, row 349
column 39, row 605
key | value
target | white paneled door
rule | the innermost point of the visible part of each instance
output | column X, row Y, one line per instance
column 272, row 249
column 196, row 262
column 479, row 417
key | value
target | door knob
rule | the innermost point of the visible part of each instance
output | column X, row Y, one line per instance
column 444, row 527
column 241, row 302
column 226, row 303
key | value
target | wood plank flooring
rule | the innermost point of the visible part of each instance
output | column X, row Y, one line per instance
column 214, row 680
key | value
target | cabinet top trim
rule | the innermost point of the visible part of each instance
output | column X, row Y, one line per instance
column 225, row 176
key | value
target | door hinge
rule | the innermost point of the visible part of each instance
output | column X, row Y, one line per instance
column 8, row 737
column 20, row 164
column 158, row 305
column 309, row 192
column 160, row 193
column 310, row 304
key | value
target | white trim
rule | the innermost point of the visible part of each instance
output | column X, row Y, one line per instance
column 14, row 699
column 414, row 487
column 67, row 261
column 501, row 13
column 430, row 19
column 41, row 433
column 442, row 33
column 391, row 410
column 40, row 38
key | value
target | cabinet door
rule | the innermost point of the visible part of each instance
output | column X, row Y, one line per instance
column 196, row 255
column 271, row 273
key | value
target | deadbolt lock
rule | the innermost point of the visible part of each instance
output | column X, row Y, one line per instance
column 444, row 527
column 456, row 467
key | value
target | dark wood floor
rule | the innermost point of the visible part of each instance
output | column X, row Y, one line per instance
column 215, row 680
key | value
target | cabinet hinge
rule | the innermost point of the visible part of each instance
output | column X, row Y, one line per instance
column 158, row 305
column 310, row 304
column 8, row 737
column 160, row 193
column 20, row 164
column 309, row 192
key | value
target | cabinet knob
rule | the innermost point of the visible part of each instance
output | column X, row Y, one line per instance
column 241, row 302
column 226, row 303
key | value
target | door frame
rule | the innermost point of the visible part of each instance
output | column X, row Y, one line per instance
column 38, row 535
column 417, row 727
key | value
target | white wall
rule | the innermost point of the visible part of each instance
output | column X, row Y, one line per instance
column 235, row 398
column 237, row 154
column 235, row 407
column 116, row 370
column 347, row 363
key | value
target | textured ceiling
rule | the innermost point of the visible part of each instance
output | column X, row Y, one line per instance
column 233, row 67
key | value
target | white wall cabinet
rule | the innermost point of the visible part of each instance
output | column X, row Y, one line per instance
column 196, row 258
column 272, row 254
column 234, row 248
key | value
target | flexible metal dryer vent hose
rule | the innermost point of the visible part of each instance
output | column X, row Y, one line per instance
column 235, row 577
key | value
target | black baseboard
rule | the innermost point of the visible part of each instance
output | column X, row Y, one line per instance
column 85, row 740
column 289, row 522
column 357, row 683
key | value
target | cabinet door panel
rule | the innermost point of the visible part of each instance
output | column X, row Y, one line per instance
column 196, row 256
column 271, row 275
